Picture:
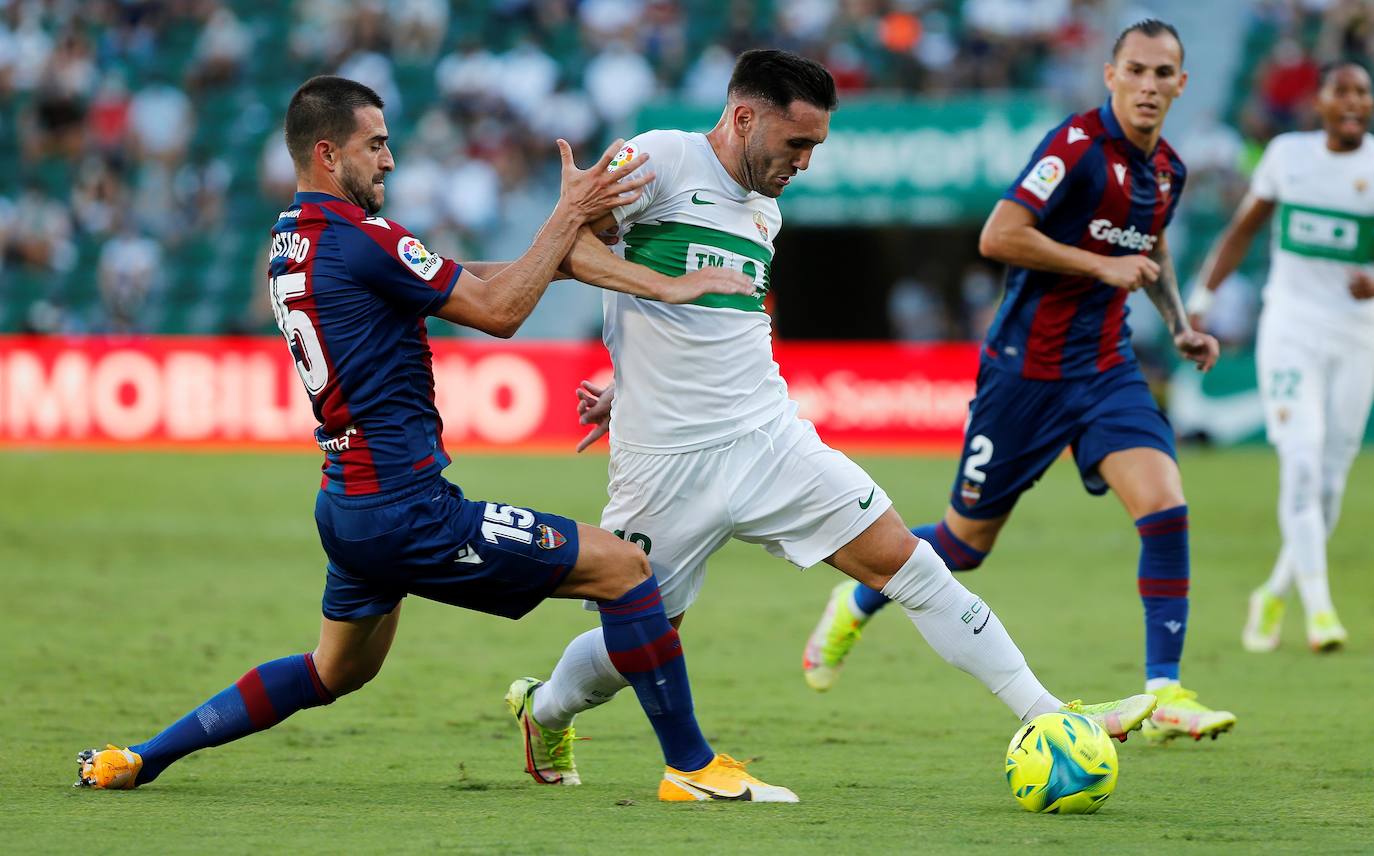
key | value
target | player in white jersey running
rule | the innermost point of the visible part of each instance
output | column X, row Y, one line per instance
column 706, row 445
column 1315, row 350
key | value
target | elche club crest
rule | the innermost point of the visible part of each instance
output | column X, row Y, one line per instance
column 761, row 224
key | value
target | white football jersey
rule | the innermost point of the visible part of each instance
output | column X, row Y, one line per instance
column 693, row 375
column 1323, row 227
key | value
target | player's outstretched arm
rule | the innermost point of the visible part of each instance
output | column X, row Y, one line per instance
column 592, row 262
column 1227, row 254
column 499, row 305
column 1192, row 344
column 1010, row 236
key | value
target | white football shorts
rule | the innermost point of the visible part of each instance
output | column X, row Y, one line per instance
column 1317, row 388
column 778, row 486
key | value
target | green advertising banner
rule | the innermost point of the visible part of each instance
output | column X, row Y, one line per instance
column 892, row 161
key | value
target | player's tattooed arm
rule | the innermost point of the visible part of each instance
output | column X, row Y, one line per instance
column 1192, row 344
column 1164, row 293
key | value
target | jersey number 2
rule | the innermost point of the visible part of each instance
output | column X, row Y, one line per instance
column 300, row 333
column 980, row 452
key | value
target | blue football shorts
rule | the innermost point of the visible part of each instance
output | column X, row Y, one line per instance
column 428, row 540
column 1018, row 427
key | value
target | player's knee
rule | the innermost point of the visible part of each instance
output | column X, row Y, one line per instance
column 623, row 567
column 1299, row 481
column 630, row 569
column 343, row 676
column 1166, row 501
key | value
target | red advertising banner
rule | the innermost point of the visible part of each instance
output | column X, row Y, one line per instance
column 244, row 392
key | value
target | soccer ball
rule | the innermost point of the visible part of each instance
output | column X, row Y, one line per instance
column 1061, row 763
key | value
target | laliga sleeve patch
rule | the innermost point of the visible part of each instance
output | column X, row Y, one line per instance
column 421, row 261
column 626, row 154
column 1044, row 177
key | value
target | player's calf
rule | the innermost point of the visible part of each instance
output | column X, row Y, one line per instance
column 852, row 604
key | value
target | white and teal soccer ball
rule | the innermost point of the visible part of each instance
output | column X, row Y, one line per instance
column 1061, row 763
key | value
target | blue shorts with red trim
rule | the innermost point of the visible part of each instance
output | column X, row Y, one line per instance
column 1018, row 427
column 428, row 540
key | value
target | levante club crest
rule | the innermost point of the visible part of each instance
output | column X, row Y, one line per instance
column 550, row 538
column 971, row 492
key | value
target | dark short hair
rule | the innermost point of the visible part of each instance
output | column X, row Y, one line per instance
column 1149, row 27
column 1332, row 67
column 323, row 109
column 780, row 77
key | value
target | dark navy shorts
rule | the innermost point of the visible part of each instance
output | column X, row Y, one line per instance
column 428, row 540
column 1018, row 427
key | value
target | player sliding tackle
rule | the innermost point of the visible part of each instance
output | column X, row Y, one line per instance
column 1081, row 227
column 1316, row 336
column 705, row 444
column 351, row 291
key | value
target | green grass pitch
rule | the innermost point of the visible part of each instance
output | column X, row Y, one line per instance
column 137, row 585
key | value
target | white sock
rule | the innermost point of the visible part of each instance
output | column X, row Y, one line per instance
column 1045, row 704
column 1281, row 578
column 1152, row 684
column 1303, row 523
column 963, row 630
column 583, row 679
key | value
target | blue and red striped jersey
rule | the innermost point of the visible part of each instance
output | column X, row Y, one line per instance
column 1088, row 187
column 351, row 293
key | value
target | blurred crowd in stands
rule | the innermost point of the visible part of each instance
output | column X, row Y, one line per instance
column 151, row 161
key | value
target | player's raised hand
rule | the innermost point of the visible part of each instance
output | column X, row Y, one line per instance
column 592, row 192
column 1361, row 285
column 594, row 408
column 707, row 280
column 1201, row 348
column 1128, row 272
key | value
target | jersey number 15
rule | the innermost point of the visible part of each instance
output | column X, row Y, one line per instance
column 299, row 331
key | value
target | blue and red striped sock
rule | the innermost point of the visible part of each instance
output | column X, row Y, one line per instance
column 645, row 649
column 1163, row 582
column 258, row 700
column 958, row 556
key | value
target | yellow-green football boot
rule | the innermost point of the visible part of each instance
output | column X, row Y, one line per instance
column 548, row 751
column 1180, row 714
column 1325, row 633
column 1118, row 718
column 834, row 636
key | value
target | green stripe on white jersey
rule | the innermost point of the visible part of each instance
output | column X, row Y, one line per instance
column 1326, row 233
column 674, row 249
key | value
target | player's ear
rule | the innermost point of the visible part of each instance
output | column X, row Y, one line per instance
column 1109, row 74
column 744, row 118
column 1182, row 81
column 327, row 154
